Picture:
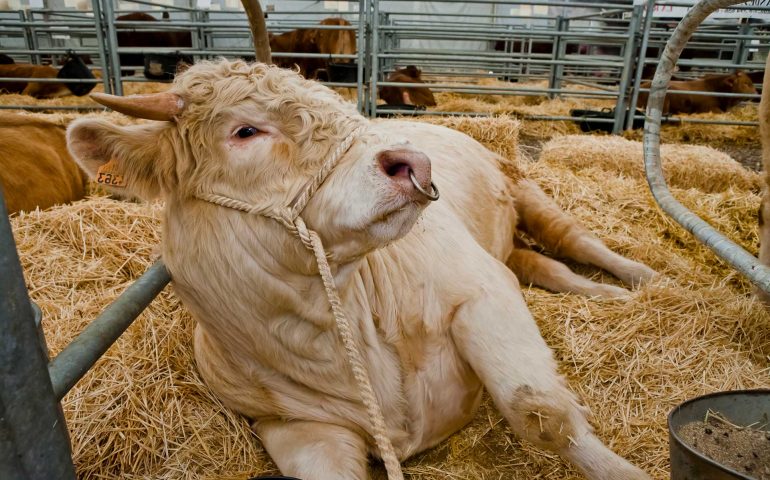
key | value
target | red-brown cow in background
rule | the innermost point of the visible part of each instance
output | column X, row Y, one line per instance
column 738, row 82
column 148, row 38
column 313, row 40
column 421, row 96
column 33, row 89
column 72, row 68
column 36, row 170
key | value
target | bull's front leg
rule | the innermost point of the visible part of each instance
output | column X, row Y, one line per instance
column 314, row 450
column 498, row 337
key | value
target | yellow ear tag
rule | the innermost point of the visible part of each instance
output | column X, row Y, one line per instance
column 105, row 175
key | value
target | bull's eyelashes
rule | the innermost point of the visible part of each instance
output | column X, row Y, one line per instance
column 244, row 132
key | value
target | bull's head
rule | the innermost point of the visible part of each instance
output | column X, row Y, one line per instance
column 257, row 133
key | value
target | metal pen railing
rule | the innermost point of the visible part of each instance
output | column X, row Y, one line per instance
column 618, row 37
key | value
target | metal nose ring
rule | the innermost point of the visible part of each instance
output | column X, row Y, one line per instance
column 431, row 196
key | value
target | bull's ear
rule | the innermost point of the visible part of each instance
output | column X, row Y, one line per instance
column 136, row 159
column 730, row 81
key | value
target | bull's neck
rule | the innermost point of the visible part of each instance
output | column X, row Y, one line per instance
column 251, row 257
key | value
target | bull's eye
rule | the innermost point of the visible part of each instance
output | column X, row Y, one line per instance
column 246, row 132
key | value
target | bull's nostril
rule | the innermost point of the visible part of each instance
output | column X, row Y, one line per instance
column 398, row 170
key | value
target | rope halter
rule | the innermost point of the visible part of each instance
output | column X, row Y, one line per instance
column 290, row 218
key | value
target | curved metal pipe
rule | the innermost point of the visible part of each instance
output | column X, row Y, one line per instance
column 723, row 247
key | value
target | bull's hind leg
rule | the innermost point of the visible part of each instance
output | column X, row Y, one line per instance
column 497, row 336
column 543, row 220
column 314, row 450
column 536, row 269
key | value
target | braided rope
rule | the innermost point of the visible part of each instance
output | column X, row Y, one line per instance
column 300, row 202
column 290, row 218
column 355, row 360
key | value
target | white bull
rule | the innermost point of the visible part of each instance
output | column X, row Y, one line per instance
column 436, row 313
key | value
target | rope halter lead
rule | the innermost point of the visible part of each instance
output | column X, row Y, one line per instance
column 290, row 218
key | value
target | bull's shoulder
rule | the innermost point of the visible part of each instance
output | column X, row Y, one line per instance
column 415, row 128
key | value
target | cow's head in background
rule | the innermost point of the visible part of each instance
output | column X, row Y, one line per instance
column 738, row 82
column 258, row 133
column 395, row 95
column 336, row 41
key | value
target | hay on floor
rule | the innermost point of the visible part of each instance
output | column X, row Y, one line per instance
column 685, row 166
column 144, row 413
column 710, row 134
column 524, row 106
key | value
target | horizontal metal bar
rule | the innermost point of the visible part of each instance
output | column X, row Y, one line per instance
column 47, row 51
column 230, row 52
column 78, row 357
column 497, row 90
column 50, row 80
column 683, row 120
column 51, row 107
column 736, row 6
column 549, row 3
column 700, row 93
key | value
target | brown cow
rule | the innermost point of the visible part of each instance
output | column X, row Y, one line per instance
column 407, row 95
column 73, row 67
column 36, row 170
column 33, row 89
column 148, row 38
column 738, row 82
column 313, row 40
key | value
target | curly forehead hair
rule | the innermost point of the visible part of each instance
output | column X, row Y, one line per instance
column 209, row 87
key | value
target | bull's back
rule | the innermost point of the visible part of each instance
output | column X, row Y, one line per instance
column 36, row 169
column 470, row 181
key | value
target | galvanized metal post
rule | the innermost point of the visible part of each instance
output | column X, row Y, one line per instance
column 197, row 35
column 30, row 34
column 34, row 442
column 722, row 246
column 111, row 41
column 741, row 53
column 361, row 46
column 204, row 33
column 375, row 61
column 628, row 67
column 640, row 58
column 557, row 69
column 103, row 51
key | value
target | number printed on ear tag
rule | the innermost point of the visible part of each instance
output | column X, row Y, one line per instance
column 105, row 175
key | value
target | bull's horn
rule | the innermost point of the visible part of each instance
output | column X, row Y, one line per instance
column 163, row 106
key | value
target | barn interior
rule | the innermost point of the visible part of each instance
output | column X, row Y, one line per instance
column 554, row 88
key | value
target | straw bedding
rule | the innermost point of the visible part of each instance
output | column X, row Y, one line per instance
column 521, row 106
column 144, row 413
column 685, row 166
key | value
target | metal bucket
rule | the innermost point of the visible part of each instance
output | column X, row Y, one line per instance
column 400, row 110
column 343, row 72
column 742, row 407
